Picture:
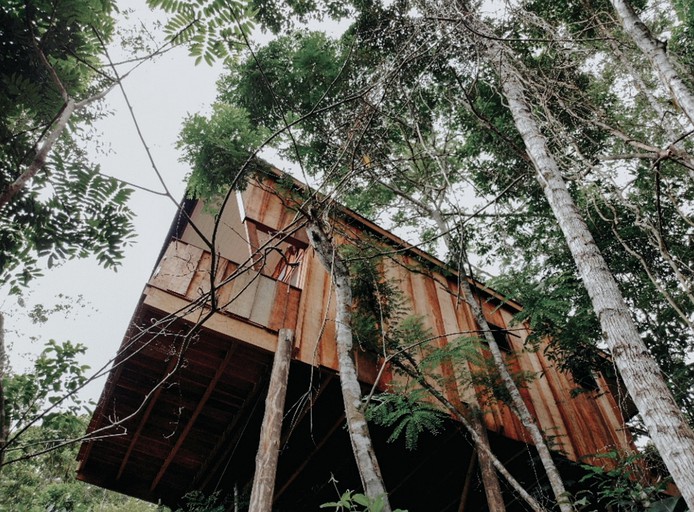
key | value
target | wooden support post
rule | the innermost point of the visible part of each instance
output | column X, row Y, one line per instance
column 268, row 449
column 469, row 475
column 495, row 500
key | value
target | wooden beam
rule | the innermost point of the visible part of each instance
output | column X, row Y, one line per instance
column 212, row 463
column 271, row 430
column 189, row 425
column 145, row 417
column 298, row 471
column 471, row 469
column 490, row 480
column 221, row 324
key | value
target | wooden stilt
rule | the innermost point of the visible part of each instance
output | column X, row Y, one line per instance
column 268, row 449
column 469, row 475
column 492, row 490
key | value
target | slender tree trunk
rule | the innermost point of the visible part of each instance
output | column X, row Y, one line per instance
column 655, row 52
column 492, row 489
column 3, row 421
column 517, row 403
column 41, row 155
column 270, row 433
column 479, row 443
column 664, row 420
column 369, row 471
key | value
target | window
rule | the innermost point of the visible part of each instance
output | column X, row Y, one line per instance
column 583, row 376
column 501, row 338
column 287, row 268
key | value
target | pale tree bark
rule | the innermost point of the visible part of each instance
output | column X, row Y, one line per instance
column 655, row 52
column 665, row 423
column 517, row 403
column 664, row 420
column 492, row 490
column 263, row 488
column 40, row 158
column 369, row 471
column 70, row 107
column 480, row 444
column 3, row 421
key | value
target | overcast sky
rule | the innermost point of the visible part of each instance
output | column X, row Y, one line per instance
column 162, row 94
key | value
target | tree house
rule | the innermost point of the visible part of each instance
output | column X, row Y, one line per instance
column 183, row 404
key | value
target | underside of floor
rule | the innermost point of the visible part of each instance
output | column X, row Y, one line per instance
column 189, row 419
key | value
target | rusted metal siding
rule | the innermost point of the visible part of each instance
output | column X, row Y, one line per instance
column 241, row 292
column 580, row 426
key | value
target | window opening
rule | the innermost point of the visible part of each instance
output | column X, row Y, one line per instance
column 287, row 267
column 501, row 338
column 583, row 376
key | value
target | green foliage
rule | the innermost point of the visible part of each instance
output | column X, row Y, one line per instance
column 219, row 150
column 351, row 501
column 377, row 302
column 625, row 487
column 212, row 29
column 197, row 501
column 69, row 210
column 44, row 421
column 54, row 380
column 409, row 415
column 47, row 482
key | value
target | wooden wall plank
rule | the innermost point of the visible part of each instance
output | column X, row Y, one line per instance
column 201, row 283
column 316, row 318
column 551, row 422
column 441, row 331
column 279, row 314
column 451, row 324
column 243, row 294
column 263, row 302
column 225, row 291
column 293, row 308
column 221, row 324
column 177, row 267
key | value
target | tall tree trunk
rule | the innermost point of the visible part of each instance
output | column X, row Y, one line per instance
column 664, row 420
column 3, row 364
column 517, row 403
column 655, row 52
column 369, row 471
column 271, row 430
column 492, row 489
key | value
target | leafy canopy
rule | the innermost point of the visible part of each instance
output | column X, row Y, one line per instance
column 68, row 210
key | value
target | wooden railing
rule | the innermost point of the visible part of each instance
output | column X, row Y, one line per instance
column 186, row 271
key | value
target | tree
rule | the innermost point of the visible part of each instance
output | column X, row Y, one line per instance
column 54, row 202
column 37, row 451
column 504, row 65
column 639, row 371
column 319, row 231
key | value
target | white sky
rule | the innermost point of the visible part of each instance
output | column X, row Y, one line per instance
column 162, row 94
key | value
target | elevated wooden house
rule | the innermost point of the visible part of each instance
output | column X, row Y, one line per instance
column 183, row 406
